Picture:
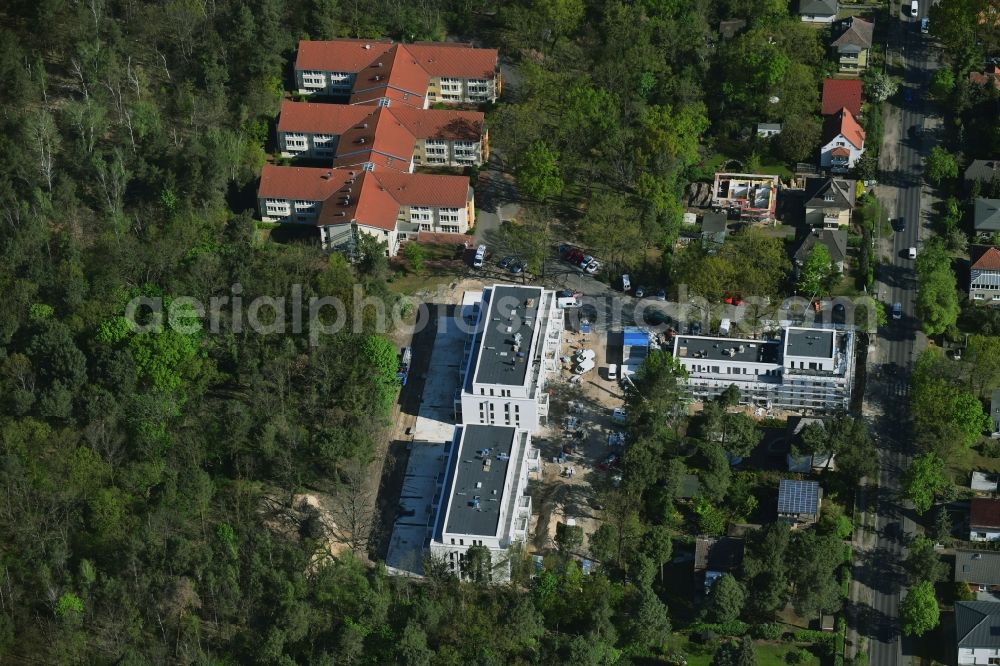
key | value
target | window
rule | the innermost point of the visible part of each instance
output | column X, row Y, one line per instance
column 369, row 166
column 383, row 101
column 841, row 143
column 461, row 542
column 313, row 79
column 296, row 142
column 341, row 79
column 978, row 297
column 450, row 229
column 425, row 227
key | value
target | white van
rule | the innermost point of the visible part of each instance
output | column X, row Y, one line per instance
column 914, row 8
column 626, row 283
column 567, row 302
column 724, row 327
column 480, row 257
column 612, row 371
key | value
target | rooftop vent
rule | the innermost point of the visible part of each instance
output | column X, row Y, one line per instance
column 368, row 47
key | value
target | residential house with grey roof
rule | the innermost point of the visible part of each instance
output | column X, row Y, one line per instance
column 714, row 557
column 818, row 11
column 980, row 569
column 985, row 172
column 995, row 412
column 977, row 632
column 852, row 44
column 798, row 461
column 482, row 501
column 986, row 215
column 834, row 240
column 829, row 202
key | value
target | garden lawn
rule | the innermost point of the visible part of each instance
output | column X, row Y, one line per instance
column 768, row 653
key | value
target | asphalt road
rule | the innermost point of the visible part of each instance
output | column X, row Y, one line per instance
column 898, row 340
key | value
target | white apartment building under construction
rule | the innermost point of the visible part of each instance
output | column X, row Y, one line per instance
column 482, row 501
column 804, row 370
column 512, row 347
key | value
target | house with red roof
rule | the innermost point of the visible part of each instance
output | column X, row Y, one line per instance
column 984, row 275
column 843, row 141
column 841, row 94
column 372, row 71
column 989, row 76
column 342, row 202
column 984, row 519
column 397, row 138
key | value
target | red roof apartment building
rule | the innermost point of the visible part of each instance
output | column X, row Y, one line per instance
column 375, row 140
column 367, row 71
column 341, row 202
column 398, row 138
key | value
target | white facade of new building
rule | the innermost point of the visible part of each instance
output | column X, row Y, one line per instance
column 512, row 349
column 482, row 501
column 805, row 370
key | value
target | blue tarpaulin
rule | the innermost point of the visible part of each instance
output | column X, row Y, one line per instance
column 634, row 337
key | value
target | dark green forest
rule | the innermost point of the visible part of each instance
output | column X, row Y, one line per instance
column 136, row 468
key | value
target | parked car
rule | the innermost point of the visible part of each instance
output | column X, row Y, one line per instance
column 911, row 253
column 477, row 261
column 897, row 310
column 592, row 267
column 618, row 416
column 586, row 259
column 908, row 94
column 506, row 261
column 661, row 294
column 626, row 283
column 610, row 461
column 696, row 328
column 516, row 268
column 733, row 299
column 612, row 371
column 640, row 291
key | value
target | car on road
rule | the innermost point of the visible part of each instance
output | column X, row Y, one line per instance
column 925, row 25
column 899, row 224
column 911, row 253
column 695, row 328
column 640, row 291
column 914, row 8
column 618, row 416
column 506, row 261
column 897, row 310
column 661, row 294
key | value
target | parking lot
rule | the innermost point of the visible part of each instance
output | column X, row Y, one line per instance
column 575, row 443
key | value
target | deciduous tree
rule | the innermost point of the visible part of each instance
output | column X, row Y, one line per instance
column 919, row 610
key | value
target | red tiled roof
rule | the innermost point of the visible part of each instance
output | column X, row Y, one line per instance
column 984, row 513
column 320, row 118
column 395, row 71
column 841, row 93
column 985, row 258
column 441, row 123
column 339, row 55
column 422, row 189
column 436, row 58
column 843, row 123
column 377, row 140
column 456, row 60
column 991, row 75
column 305, row 183
column 840, row 152
column 367, row 198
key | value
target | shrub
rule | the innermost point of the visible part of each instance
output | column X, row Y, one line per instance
column 734, row 628
column 768, row 631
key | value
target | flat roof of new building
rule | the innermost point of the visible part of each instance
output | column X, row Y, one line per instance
column 813, row 342
column 510, row 324
column 481, row 463
column 728, row 349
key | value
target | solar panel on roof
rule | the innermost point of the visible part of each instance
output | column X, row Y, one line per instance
column 798, row 497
